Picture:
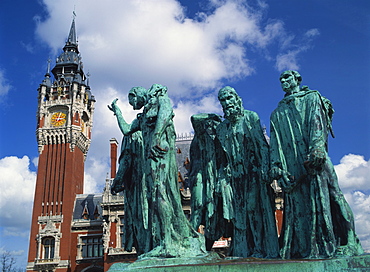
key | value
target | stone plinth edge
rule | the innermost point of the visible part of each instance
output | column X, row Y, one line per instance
column 212, row 263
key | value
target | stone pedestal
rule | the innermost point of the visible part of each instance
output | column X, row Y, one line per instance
column 212, row 263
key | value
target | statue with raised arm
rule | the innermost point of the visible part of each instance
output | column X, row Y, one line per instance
column 207, row 196
column 130, row 179
column 244, row 166
column 318, row 222
column 170, row 233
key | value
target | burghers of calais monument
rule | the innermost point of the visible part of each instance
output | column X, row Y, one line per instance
column 318, row 222
column 232, row 167
column 158, row 223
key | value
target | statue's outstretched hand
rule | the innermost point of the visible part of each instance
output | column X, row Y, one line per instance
column 113, row 107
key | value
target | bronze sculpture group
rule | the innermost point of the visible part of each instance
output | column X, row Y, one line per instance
column 232, row 167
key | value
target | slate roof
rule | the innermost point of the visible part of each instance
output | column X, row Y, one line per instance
column 91, row 202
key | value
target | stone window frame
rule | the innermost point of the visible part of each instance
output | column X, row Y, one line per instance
column 81, row 244
column 48, row 249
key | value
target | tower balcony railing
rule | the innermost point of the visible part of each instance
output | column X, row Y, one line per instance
column 113, row 199
column 47, row 261
column 57, row 102
column 116, row 198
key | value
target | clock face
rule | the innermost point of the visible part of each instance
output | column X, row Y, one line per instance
column 58, row 119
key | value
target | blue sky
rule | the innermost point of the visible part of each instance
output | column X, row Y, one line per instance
column 194, row 49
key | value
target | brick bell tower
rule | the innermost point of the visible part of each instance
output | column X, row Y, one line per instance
column 64, row 123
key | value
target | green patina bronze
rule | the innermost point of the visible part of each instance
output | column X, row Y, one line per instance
column 240, row 190
column 318, row 222
column 155, row 214
column 210, row 201
column 130, row 180
column 232, row 167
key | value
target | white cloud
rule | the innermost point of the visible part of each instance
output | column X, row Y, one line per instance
column 292, row 47
column 4, row 84
column 288, row 61
column 17, row 231
column 130, row 42
column 354, row 173
column 312, row 33
column 29, row 47
column 12, row 253
column 95, row 175
column 35, row 161
column 17, row 185
column 185, row 109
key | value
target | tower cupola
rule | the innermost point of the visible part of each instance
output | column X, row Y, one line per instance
column 69, row 65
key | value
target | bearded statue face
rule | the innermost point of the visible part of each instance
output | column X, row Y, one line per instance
column 231, row 104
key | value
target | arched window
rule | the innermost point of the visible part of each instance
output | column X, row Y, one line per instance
column 48, row 247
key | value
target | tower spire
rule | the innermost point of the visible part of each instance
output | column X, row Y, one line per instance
column 68, row 63
column 71, row 43
column 47, row 81
column 72, row 37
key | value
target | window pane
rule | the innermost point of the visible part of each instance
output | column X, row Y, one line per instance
column 52, row 251
column 89, row 250
column 95, row 250
column 46, row 252
column 101, row 250
column 84, row 251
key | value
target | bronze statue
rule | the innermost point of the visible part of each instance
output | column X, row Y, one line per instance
column 245, row 197
column 318, row 222
column 170, row 233
column 210, row 200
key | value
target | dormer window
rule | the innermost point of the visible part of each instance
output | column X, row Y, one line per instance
column 85, row 213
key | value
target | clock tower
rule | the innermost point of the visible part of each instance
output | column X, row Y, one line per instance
column 64, row 123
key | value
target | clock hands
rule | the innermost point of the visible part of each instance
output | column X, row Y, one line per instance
column 58, row 118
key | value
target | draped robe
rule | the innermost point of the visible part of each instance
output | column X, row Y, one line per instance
column 318, row 222
column 244, row 166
